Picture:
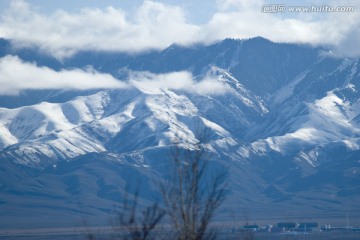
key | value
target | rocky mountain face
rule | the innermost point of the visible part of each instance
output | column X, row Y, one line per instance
column 286, row 124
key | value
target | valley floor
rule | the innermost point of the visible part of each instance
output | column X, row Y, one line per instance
column 222, row 233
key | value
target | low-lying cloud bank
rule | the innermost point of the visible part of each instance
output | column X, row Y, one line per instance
column 17, row 75
column 156, row 25
column 153, row 83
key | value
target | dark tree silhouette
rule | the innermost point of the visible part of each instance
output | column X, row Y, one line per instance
column 193, row 192
column 135, row 225
column 190, row 196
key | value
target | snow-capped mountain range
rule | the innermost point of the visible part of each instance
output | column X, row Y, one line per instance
column 284, row 118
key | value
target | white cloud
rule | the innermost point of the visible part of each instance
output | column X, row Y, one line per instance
column 153, row 83
column 209, row 85
column 243, row 19
column 156, row 25
column 61, row 33
column 16, row 75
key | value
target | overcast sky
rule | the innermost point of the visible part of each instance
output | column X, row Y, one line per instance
column 63, row 27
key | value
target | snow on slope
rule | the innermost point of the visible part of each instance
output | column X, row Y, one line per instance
column 55, row 130
column 320, row 106
column 127, row 121
column 296, row 145
column 328, row 120
column 124, row 121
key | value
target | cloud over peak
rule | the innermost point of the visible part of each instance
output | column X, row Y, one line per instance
column 17, row 75
column 153, row 83
column 156, row 25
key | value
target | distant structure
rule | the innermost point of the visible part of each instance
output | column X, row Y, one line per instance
column 286, row 226
column 307, row 226
column 251, row 227
column 296, row 227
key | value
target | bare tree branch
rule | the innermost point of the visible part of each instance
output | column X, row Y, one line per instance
column 192, row 194
column 139, row 226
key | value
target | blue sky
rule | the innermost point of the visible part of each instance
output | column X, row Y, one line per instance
column 198, row 11
column 63, row 27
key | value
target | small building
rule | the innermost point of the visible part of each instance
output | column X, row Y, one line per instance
column 286, row 225
column 253, row 227
column 308, row 225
